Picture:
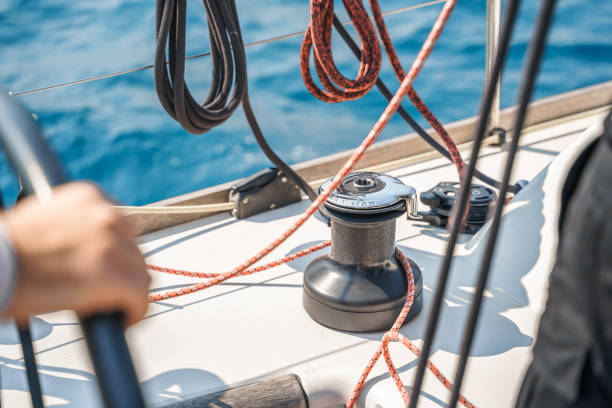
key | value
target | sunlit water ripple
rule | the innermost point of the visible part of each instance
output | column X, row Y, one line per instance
column 114, row 131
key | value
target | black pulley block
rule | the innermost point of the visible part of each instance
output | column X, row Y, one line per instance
column 442, row 197
column 361, row 286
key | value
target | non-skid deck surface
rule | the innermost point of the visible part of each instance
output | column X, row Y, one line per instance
column 254, row 327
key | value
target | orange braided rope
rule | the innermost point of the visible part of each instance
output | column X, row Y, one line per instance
column 337, row 88
column 394, row 334
column 262, row 268
column 412, row 94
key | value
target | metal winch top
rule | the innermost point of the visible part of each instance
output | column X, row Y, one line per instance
column 361, row 286
column 370, row 193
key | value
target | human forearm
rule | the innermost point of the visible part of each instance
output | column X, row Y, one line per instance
column 75, row 252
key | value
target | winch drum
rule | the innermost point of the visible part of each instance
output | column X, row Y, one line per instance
column 361, row 286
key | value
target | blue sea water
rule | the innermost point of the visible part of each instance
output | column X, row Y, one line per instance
column 114, row 131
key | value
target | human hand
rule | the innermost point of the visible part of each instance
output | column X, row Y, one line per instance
column 75, row 252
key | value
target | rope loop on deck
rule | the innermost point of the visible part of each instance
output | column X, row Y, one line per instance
column 394, row 334
column 383, row 349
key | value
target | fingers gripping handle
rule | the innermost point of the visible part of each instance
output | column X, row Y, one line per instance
column 39, row 170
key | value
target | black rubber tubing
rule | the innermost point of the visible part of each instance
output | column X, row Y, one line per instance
column 229, row 70
column 29, row 360
column 534, row 58
column 225, row 51
column 461, row 204
column 29, row 357
column 27, row 347
column 39, row 169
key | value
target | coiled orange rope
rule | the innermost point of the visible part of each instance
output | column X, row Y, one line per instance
column 337, row 87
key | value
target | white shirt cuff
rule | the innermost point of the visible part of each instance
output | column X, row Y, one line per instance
column 8, row 267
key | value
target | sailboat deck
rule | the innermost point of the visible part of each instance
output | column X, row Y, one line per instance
column 255, row 327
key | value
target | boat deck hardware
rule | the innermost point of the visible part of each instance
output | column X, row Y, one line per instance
column 361, row 286
column 263, row 191
column 442, row 197
column 496, row 137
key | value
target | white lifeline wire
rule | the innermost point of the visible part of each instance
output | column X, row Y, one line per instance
column 204, row 54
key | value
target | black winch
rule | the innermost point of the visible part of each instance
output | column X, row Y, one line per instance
column 361, row 286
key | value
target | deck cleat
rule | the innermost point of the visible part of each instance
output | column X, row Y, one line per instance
column 361, row 286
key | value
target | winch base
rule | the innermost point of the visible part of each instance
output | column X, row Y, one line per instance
column 357, row 298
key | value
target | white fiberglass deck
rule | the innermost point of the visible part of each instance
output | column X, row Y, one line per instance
column 255, row 327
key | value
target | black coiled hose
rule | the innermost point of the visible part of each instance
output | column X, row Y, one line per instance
column 228, row 86
column 228, row 65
